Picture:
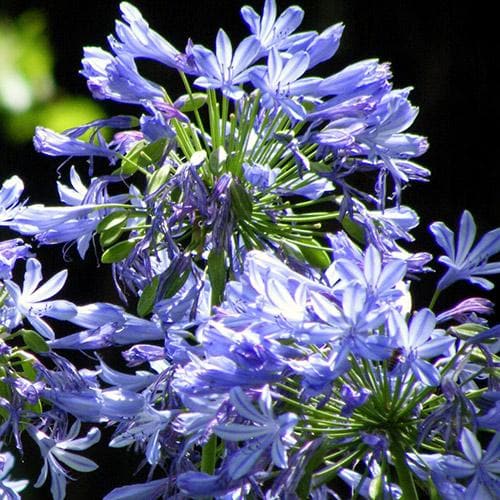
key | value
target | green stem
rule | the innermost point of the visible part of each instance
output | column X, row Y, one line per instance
column 199, row 121
column 405, row 478
column 434, row 298
column 209, row 455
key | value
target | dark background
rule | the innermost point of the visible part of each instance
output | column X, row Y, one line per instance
column 443, row 49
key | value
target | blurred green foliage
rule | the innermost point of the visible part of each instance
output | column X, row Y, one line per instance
column 29, row 95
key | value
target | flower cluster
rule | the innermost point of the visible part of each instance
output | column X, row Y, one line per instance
column 256, row 231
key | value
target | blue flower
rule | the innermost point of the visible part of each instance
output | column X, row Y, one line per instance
column 52, row 143
column 363, row 78
column 483, row 466
column 352, row 399
column 268, row 432
column 53, row 225
column 10, row 192
column 419, row 341
column 32, row 303
column 137, row 39
column 148, row 428
column 140, row 491
column 54, row 450
column 117, row 78
column 465, row 262
column 323, row 46
column 379, row 281
column 269, row 31
column 77, row 222
column 225, row 70
column 349, row 328
column 199, row 484
column 10, row 251
column 363, row 484
column 318, row 372
column 9, row 488
column 281, row 82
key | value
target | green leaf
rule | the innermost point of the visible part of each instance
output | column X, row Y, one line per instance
column 375, row 490
column 153, row 153
column 158, row 178
column 27, row 369
column 217, row 157
column 241, row 201
column 353, row 229
column 191, row 102
column 107, row 238
column 34, row 341
column 111, row 221
column 147, row 298
column 217, row 274
column 141, row 156
column 468, row 330
column 129, row 164
column 317, row 257
column 119, row 251
column 320, row 167
column 174, row 284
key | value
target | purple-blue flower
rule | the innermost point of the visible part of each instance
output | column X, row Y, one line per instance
column 225, row 70
column 52, row 143
column 10, row 192
column 281, row 83
column 9, row 488
column 117, row 78
column 267, row 433
column 380, row 281
column 464, row 261
column 418, row 342
column 10, row 251
column 269, row 31
column 140, row 491
column 55, row 452
column 32, row 302
column 137, row 39
column 483, row 466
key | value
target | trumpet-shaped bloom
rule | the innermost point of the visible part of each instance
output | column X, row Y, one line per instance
column 55, row 453
column 225, row 70
column 137, row 39
column 281, row 81
column 117, row 78
column 419, row 341
column 483, row 466
column 10, row 192
column 32, row 302
column 52, row 143
column 379, row 280
column 9, row 488
column 268, row 432
column 269, row 31
column 140, row 491
column 464, row 261
column 10, row 251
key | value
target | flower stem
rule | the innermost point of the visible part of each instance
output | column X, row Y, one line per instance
column 434, row 298
column 209, row 455
column 405, row 478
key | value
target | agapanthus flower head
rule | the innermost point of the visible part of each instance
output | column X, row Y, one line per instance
column 256, row 233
